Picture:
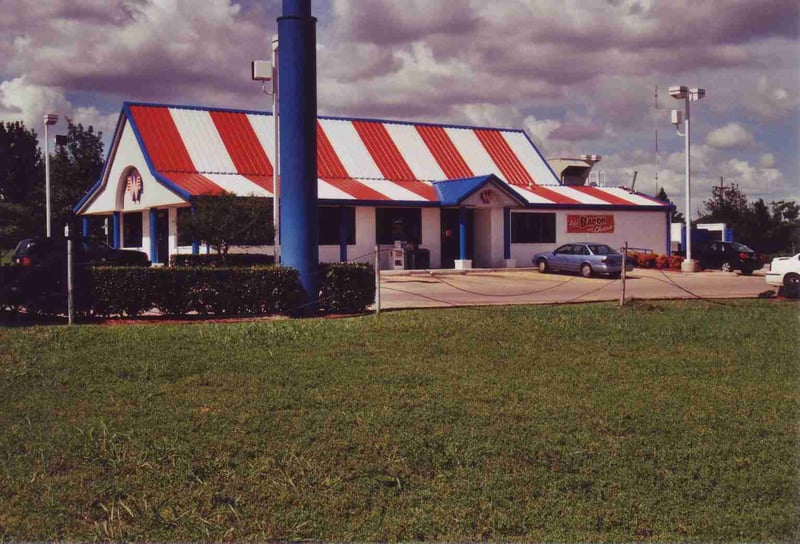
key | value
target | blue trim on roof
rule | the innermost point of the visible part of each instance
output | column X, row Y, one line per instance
column 112, row 148
column 533, row 145
column 454, row 192
column 146, row 154
column 330, row 117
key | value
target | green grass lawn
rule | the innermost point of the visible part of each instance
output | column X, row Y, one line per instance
column 661, row 421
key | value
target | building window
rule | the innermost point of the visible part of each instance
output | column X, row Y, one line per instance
column 132, row 229
column 533, row 228
column 183, row 238
column 330, row 225
column 403, row 224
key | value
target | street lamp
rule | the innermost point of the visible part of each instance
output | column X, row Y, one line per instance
column 682, row 92
column 49, row 119
column 264, row 71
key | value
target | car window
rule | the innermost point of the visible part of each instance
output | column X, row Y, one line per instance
column 601, row 249
column 740, row 247
column 581, row 249
column 564, row 250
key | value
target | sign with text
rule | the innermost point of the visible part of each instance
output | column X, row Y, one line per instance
column 590, row 223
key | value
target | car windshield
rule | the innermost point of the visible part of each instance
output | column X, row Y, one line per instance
column 741, row 247
column 601, row 249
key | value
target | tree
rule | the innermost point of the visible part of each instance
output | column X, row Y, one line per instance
column 676, row 217
column 21, row 170
column 727, row 205
column 223, row 221
column 74, row 168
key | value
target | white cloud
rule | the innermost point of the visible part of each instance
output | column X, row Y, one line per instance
column 771, row 102
column 731, row 136
column 540, row 130
column 767, row 160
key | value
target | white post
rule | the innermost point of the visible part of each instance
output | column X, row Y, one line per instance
column 70, row 299
column 47, row 174
column 276, row 178
column 624, row 264
column 688, row 143
column 377, row 280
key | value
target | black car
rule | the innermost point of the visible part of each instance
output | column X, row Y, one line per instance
column 53, row 251
column 727, row 256
column 38, row 281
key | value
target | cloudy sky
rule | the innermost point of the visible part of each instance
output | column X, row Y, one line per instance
column 578, row 75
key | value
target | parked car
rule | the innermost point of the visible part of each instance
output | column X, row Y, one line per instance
column 784, row 273
column 727, row 256
column 588, row 258
column 53, row 251
column 40, row 275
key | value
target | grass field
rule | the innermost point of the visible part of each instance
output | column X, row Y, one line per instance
column 661, row 421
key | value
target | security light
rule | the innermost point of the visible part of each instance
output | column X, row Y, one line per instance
column 677, row 117
column 678, row 91
column 261, row 70
column 50, row 119
column 696, row 94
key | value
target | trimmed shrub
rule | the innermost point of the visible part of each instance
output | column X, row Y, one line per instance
column 675, row 261
column 121, row 290
column 346, row 287
column 215, row 260
column 662, row 261
column 10, row 281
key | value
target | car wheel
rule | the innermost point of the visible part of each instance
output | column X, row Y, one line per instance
column 586, row 270
column 542, row 266
column 726, row 267
column 791, row 286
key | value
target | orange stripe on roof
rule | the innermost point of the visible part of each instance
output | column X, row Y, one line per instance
column 355, row 188
column 602, row 195
column 195, row 184
column 383, row 151
column 444, row 151
column 551, row 195
column 161, row 139
column 242, row 143
column 328, row 163
column 420, row 188
column 504, row 157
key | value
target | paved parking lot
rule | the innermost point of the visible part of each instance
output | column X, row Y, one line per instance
column 424, row 289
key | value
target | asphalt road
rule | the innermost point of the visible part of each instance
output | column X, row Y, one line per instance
column 423, row 289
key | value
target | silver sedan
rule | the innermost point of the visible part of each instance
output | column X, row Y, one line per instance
column 588, row 258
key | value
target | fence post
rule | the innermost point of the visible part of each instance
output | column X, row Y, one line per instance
column 70, row 296
column 624, row 264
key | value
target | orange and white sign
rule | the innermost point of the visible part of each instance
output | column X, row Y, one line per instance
column 590, row 223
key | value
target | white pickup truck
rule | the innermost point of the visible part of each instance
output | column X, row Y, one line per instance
column 784, row 273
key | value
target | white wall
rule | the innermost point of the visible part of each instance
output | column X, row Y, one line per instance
column 641, row 229
column 128, row 154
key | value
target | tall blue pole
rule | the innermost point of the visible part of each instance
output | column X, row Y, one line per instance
column 154, row 235
column 297, row 92
column 115, row 229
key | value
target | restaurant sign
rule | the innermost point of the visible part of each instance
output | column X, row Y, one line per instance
column 590, row 223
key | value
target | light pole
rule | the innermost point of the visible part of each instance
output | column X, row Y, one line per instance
column 264, row 71
column 682, row 92
column 49, row 119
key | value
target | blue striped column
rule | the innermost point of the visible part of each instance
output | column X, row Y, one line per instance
column 85, row 225
column 195, row 243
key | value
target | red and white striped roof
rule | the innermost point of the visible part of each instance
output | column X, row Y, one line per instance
column 208, row 152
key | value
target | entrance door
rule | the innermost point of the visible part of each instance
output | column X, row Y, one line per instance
column 162, row 236
column 450, row 229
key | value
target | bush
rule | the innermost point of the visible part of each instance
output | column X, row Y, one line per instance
column 646, row 260
column 179, row 291
column 675, row 261
column 346, row 287
column 216, row 260
column 121, row 290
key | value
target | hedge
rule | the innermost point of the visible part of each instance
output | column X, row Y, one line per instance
column 177, row 291
column 346, row 287
column 216, row 260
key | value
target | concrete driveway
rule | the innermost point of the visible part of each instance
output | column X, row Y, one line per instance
column 438, row 288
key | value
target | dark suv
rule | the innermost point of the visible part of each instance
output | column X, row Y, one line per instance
column 53, row 251
column 727, row 256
